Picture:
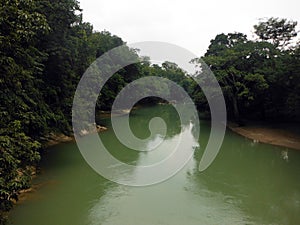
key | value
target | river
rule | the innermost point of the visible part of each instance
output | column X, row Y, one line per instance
column 248, row 183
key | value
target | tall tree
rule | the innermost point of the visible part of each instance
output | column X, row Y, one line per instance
column 23, row 115
column 61, row 46
column 279, row 32
column 230, row 57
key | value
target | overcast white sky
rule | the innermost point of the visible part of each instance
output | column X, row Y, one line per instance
column 188, row 23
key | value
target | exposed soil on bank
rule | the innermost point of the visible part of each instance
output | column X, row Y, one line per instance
column 30, row 193
column 108, row 114
column 279, row 134
column 55, row 139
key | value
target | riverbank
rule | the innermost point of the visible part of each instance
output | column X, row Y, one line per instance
column 49, row 141
column 55, row 139
column 117, row 113
column 279, row 134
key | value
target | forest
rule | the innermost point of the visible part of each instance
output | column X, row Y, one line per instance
column 45, row 47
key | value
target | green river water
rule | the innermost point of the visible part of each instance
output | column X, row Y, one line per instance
column 248, row 183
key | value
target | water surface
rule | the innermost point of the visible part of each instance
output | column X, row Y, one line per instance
column 248, row 183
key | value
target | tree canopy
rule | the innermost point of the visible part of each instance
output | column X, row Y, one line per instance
column 278, row 31
column 45, row 48
column 259, row 78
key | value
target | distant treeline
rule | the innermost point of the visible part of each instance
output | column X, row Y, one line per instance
column 45, row 48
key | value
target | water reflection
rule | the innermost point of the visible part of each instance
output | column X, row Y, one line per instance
column 249, row 183
column 144, row 202
column 285, row 155
column 256, row 180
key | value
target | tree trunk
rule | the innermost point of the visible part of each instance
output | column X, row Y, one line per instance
column 263, row 112
column 236, row 112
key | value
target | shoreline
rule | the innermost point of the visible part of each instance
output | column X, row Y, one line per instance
column 50, row 141
column 280, row 134
column 55, row 139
